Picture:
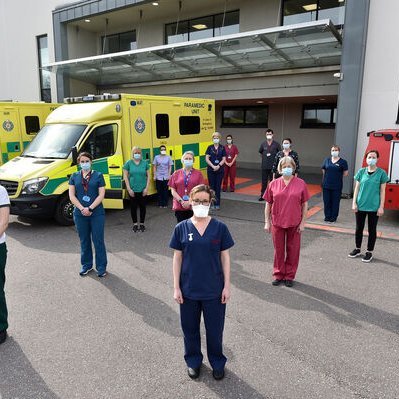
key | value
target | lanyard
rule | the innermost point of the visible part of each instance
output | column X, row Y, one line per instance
column 85, row 181
column 186, row 178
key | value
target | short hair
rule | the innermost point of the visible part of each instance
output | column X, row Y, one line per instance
column 135, row 148
column 336, row 146
column 229, row 135
column 203, row 188
column 188, row 153
column 85, row 154
column 162, row 146
column 283, row 161
column 216, row 134
column 287, row 139
column 269, row 131
column 369, row 151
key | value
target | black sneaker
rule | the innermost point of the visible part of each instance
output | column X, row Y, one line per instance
column 367, row 258
column 135, row 228
column 84, row 272
column 261, row 199
column 355, row 253
column 142, row 228
column 289, row 283
column 277, row 282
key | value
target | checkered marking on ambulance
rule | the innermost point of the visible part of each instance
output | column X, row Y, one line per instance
column 8, row 125
column 139, row 125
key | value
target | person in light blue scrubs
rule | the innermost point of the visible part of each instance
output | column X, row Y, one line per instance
column 201, row 274
column 86, row 192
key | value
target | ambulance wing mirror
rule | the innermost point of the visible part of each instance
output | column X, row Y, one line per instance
column 74, row 151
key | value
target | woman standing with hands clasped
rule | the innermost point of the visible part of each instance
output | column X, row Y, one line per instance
column 162, row 166
column 287, row 151
column 86, row 192
column 368, row 200
column 137, row 178
column 285, row 213
column 230, row 164
column 201, row 279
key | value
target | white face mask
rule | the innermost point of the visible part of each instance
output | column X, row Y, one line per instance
column 286, row 146
column 163, row 152
column 334, row 154
column 216, row 141
column 229, row 141
column 269, row 137
column 200, row 211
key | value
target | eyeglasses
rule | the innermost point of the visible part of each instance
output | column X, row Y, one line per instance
column 198, row 202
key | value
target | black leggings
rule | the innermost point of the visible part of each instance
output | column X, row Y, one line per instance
column 138, row 201
column 372, row 228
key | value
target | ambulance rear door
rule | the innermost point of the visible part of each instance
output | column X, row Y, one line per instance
column 10, row 133
column 394, row 163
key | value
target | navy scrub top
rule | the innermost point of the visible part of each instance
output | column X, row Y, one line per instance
column 201, row 276
column 215, row 156
column 333, row 173
column 96, row 181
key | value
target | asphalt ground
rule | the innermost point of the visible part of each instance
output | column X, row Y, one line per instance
column 333, row 335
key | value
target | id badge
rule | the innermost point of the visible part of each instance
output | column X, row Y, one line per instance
column 216, row 161
column 185, row 197
column 268, row 154
column 86, row 198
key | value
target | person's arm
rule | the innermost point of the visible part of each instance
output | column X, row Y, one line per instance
column 275, row 164
column 75, row 201
column 355, row 194
column 301, row 226
column 297, row 164
column 268, row 208
column 222, row 162
column 225, row 259
column 346, row 173
column 170, row 168
column 99, row 198
column 145, row 191
column 380, row 211
column 127, row 182
column 4, row 218
column 177, row 260
column 154, row 170
column 208, row 161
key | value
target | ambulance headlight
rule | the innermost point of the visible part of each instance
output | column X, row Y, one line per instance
column 33, row 186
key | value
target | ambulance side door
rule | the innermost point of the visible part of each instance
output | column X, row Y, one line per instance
column 31, row 121
column 10, row 135
column 104, row 143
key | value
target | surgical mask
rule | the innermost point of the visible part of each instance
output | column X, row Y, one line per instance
column 334, row 154
column 163, row 152
column 269, row 137
column 286, row 171
column 188, row 163
column 286, row 146
column 200, row 211
column 229, row 141
column 85, row 165
column 136, row 156
column 371, row 161
column 216, row 141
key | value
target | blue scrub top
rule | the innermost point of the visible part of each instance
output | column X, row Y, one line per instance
column 215, row 156
column 333, row 173
column 96, row 181
column 201, row 276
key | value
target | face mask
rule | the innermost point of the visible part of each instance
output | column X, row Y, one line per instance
column 188, row 163
column 371, row 161
column 229, row 141
column 163, row 152
column 286, row 146
column 216, row 141
column 287, row 171
column 334, row 154
column 136, row 156
column 85, row 165
column 200, row 211
column 269, row 137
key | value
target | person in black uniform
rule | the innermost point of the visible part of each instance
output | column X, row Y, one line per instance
column 201, row 276
column 268, row 150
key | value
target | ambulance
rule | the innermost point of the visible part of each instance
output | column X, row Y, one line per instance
column 386, row 142
column 107, row 126
column 19, row 123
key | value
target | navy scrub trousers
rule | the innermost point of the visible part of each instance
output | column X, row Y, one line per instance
column 3, row 305
column 331, row 199
column 215, row 182
column 190, row 316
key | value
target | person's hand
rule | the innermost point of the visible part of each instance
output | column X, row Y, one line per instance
column 155, row 178
column 267, row 226
column 185, row 204
column 131, row 192
column 86, row 212
column 178, row 296
column 301, row 227
column 225, row 294
column 380, row 211
column 354, row 207
column 145, row 192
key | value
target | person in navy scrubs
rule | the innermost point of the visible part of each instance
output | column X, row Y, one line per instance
column 201, row 276
column 215, row 157
column 333, row 168
column 86, row 192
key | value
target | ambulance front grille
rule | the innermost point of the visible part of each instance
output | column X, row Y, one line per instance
column 10, row 186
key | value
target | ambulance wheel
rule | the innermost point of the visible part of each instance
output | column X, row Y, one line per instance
column 64, row 211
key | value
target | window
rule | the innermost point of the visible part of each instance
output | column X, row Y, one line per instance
column 245, row 116
column 203, row 27
column 319, row 116
column 119, row 42
column 45, row 85
column 162, row 125
column 102, row 141
column 32, row 124
column 189, row 125
column 296, row 11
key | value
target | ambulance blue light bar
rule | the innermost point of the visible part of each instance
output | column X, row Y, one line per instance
column 93, row 98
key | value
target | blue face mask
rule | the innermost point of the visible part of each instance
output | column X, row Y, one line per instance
column 371, row 161
column 85, row 165
column 286, row 146
column 137, row 156
column 286, row 171
column 188, row 163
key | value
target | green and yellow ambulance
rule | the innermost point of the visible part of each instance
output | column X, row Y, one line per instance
column 107, row 126
column 19, row 124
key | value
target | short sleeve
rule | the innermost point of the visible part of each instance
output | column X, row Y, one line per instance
column 384, row 177
column 261, row 149
column 72, row 180
column 4, row 200
column 154, row 162
column 237, row 152
column 101, row 181
column 324, row 166
column 126, row 165
column 147, row 165
column 305, row 193
column 268, row 195
column 359, row 175
column 170, row 161
column 345, row 165
column 223, row 151
column 227, row 239
column 172, row 180
column 175, row 241
column 208, row 150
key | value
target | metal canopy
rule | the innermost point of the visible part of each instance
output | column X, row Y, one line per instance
column 304, row 45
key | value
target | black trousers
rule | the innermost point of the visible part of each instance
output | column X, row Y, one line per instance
column 267, row 175
column 3, row 305
column 183, row 215
column 138, row 201
column 372, row 228
column 163, row 192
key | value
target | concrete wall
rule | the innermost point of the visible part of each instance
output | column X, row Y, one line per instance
column 82, row 43
column 380, row 96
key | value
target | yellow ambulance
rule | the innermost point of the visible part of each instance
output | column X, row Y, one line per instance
column 19, row 123
column 107, row 126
